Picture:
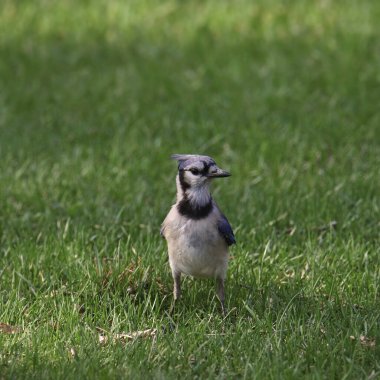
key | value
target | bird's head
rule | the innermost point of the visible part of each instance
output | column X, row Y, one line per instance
column 195, row 171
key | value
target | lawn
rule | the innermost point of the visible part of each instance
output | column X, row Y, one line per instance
column 94, row 98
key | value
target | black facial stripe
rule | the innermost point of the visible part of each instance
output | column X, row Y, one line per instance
column 205, row 168
column 184, row 184
column 202, row 171
column 191, row 211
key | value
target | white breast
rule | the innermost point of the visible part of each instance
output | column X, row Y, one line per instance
column 196, row 247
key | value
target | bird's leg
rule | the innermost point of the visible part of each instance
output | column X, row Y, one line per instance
column 177, row 285
column 220, row 293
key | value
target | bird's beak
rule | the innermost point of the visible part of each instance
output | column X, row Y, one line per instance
column 218, row 173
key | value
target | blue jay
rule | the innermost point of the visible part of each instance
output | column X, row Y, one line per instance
column 197, row 233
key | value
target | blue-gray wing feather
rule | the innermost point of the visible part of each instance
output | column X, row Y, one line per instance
column 226, row 230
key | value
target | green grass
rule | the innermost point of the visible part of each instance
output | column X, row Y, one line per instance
column 96, row 95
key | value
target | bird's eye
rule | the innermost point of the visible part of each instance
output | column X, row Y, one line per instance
column 194, row 171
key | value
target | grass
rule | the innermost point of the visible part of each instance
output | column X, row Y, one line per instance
column 96, row 95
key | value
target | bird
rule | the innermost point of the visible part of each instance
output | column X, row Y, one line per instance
column 197, row 233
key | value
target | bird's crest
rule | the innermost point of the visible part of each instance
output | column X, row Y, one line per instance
column 186, row 159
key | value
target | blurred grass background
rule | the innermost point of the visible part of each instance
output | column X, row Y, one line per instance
column 94, row 98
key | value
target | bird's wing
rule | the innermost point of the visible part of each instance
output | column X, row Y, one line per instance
column 225, row 230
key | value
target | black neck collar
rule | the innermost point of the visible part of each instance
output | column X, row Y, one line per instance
column 194, row 211
column 190, row 209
